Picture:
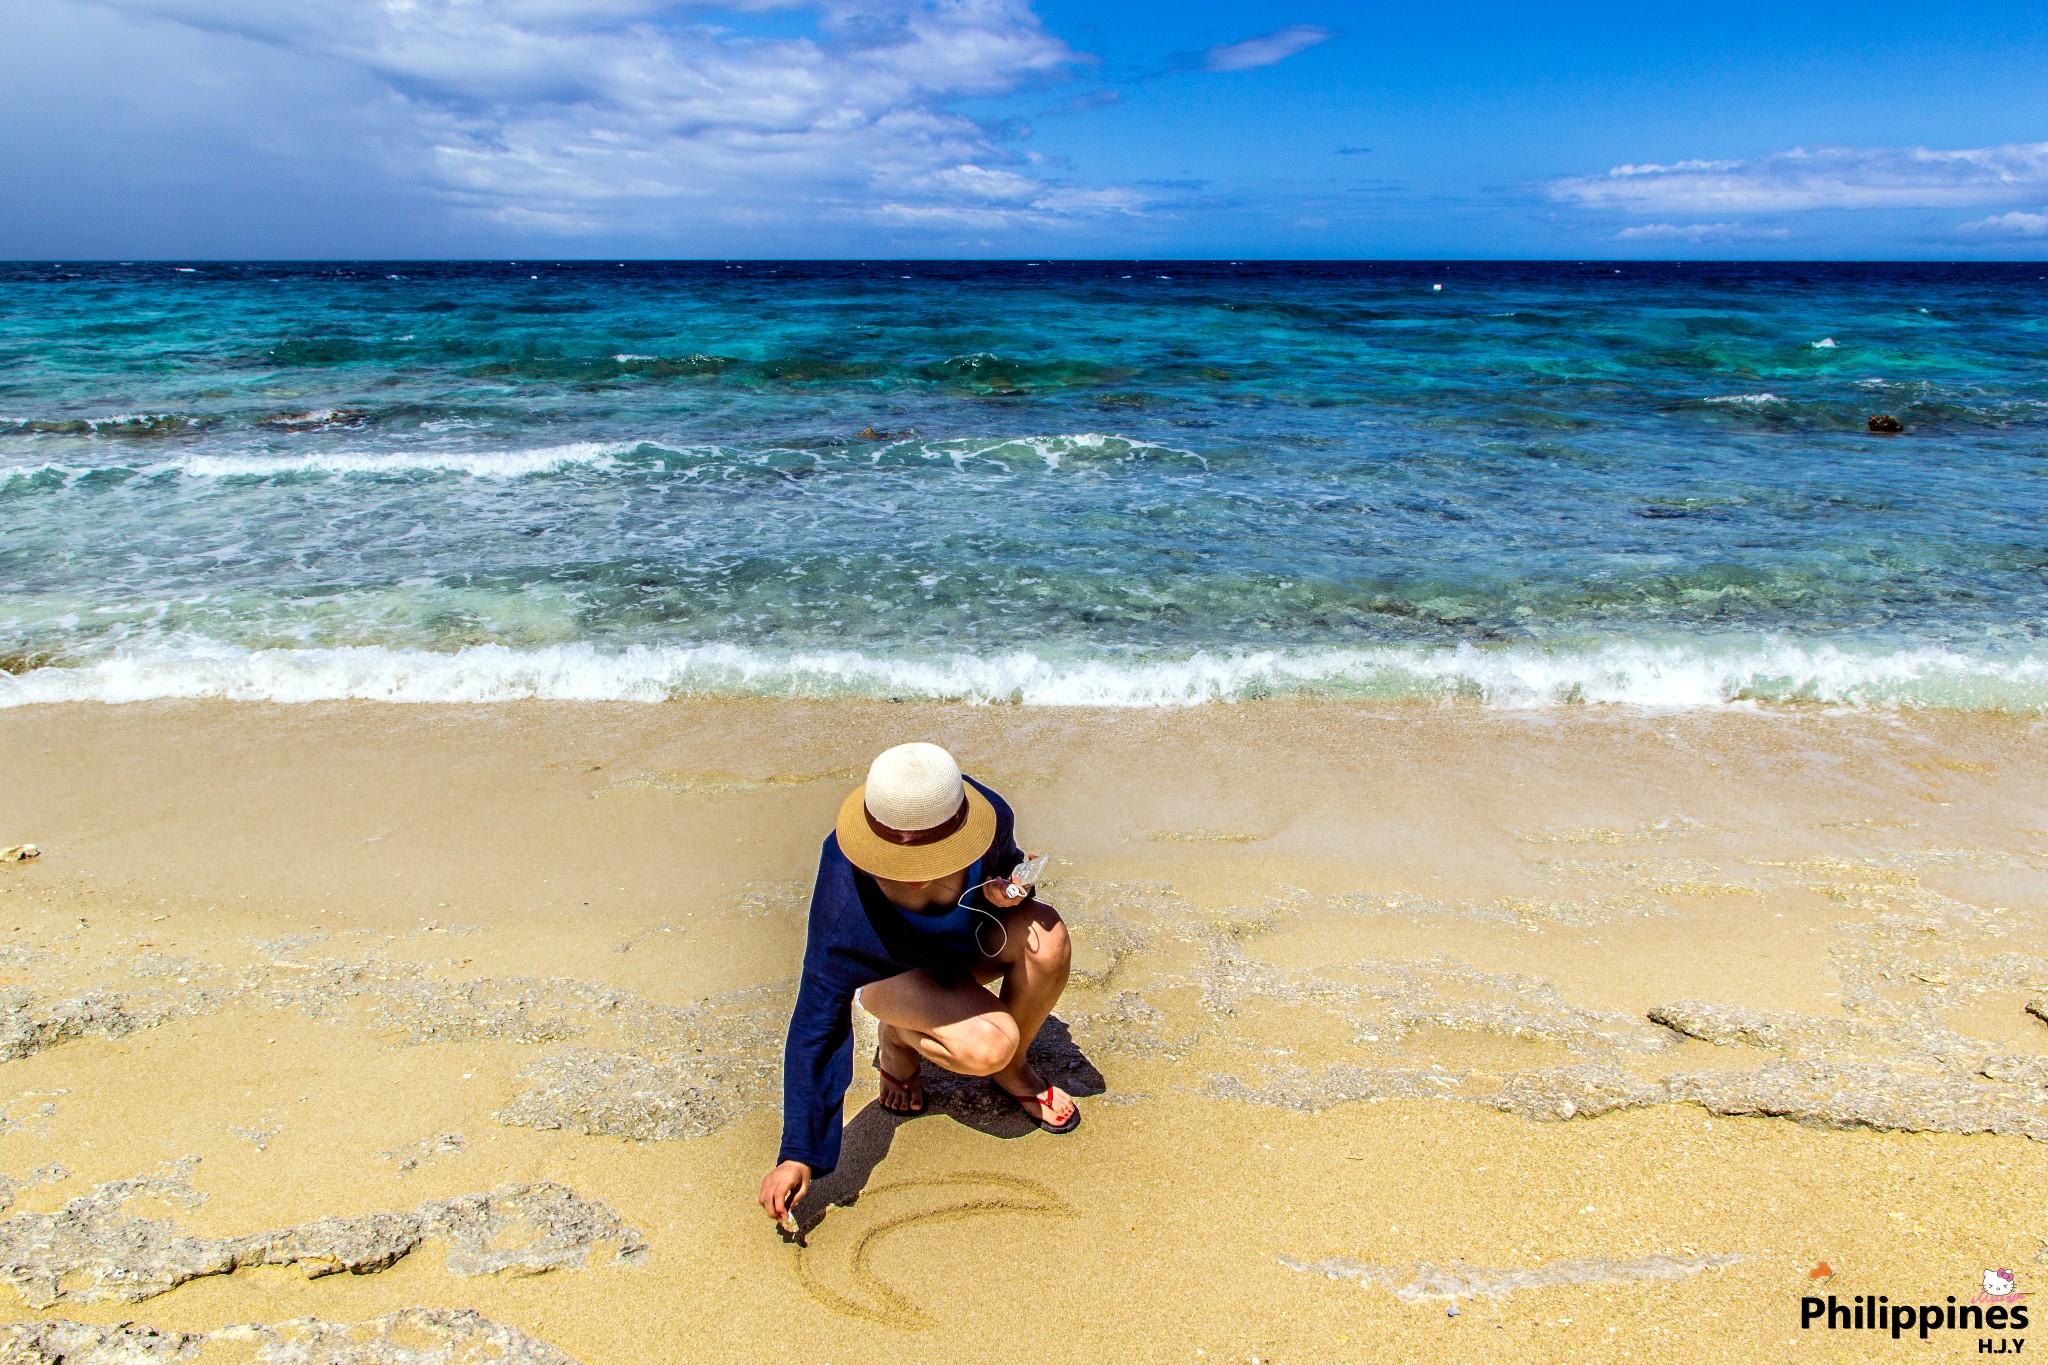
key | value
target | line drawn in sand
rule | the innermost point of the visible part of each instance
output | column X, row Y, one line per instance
column 873, row 1300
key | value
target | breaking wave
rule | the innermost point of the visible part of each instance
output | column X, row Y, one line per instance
column 875, row 449
column 479, row 464
column 1617, row 674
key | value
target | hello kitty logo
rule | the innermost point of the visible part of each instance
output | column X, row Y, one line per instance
column 1999, row 1288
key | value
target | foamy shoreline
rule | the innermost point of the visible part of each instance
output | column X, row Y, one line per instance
column 1710, row 674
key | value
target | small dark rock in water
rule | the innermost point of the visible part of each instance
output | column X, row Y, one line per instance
column 1884, row 424
column 870, row 434
column 319, row 419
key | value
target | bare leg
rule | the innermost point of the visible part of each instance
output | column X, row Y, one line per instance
column 961, row 1027
column 1033, row 963
column 966, row 1029
column 899, row 1062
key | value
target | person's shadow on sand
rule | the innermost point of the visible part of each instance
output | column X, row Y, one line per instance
column 969, row 1100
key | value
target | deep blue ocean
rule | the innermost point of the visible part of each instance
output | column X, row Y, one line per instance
column 1097, row 482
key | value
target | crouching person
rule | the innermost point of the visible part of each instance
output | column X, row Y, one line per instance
column 914, row 917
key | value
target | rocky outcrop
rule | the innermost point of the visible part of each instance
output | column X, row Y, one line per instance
column 1461, row 1281
column 633, row 1095
column 1308, row 1091
column 1577, row 1092
column 1830, row 1096
column 12, row 1186
column 92, row 1249
column 1720, row 1024
column 27, row 1027
column 410, row 1336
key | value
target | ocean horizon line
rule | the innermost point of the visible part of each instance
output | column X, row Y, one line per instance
column 629, row 258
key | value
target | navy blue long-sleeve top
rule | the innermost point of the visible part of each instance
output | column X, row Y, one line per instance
column 857, row 936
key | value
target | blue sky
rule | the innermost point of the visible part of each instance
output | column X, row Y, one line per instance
column 295, row 128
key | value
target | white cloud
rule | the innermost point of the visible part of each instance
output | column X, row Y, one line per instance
column 1266, row 49
column 1819, row 178
column 974, row 197
column 1695, row 232
column 581, row 115
column 2014, row 224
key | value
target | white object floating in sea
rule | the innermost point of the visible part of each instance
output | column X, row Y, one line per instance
column 1436, row 288
column 1824, row 344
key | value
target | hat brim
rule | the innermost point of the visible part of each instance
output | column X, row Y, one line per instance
column 877, row 857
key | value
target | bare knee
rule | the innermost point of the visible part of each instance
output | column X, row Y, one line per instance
column 984, row 1045
column 1047, row 944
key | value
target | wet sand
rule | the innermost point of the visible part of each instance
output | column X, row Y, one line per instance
column 426, row 1028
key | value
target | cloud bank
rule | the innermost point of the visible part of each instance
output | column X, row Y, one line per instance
column 1697, row 232
column 2015, row 224
column 1805, row 179
column 576, row 116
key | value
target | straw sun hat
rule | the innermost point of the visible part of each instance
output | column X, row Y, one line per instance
column 915, row 819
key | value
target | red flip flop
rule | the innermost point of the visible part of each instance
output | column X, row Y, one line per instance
column 915, row 1085
column 1044, row 1101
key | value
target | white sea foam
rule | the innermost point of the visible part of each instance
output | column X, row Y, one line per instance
column 1052, row 451
column 26, row 472
column 479, row 464
column 1748, row 400
column 115, row 423
column 1626, row 674
column 482, row 464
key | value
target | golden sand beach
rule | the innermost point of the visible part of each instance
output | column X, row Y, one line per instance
column 1401, row 1033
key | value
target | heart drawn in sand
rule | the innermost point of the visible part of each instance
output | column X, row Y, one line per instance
column 848, row 1260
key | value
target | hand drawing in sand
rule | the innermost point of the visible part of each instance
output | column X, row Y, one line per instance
column 835, row 1259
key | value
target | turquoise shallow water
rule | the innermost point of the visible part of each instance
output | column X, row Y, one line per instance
column 1098, row 482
